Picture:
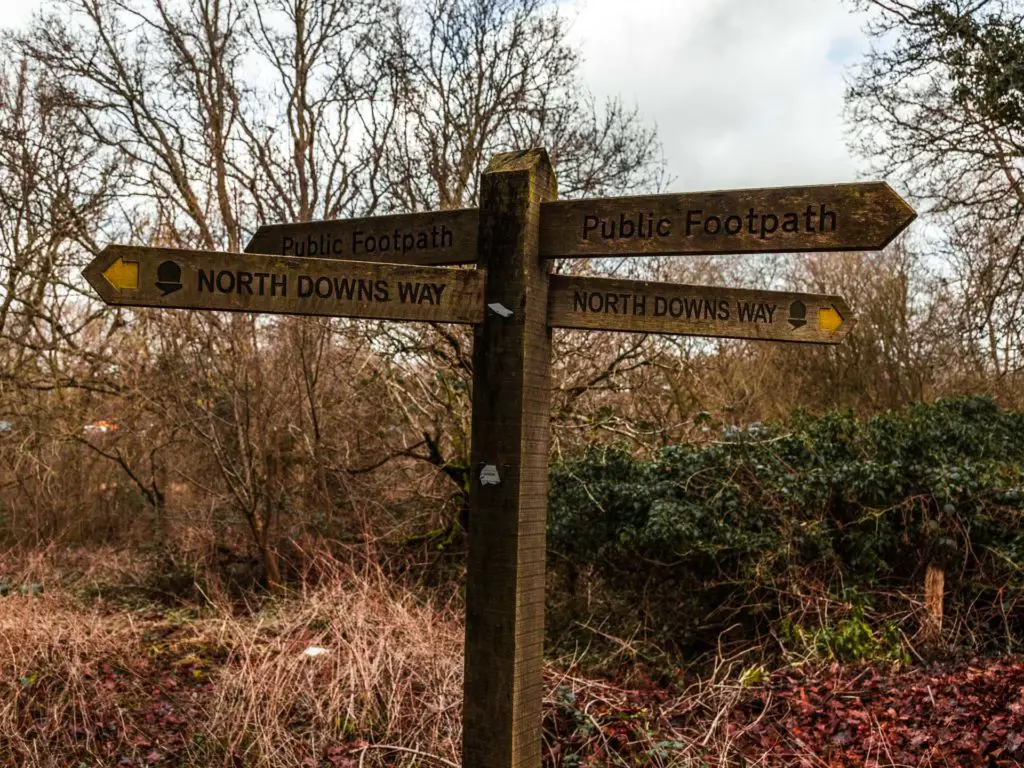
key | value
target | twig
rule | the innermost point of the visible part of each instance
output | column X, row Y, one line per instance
column 362, row 754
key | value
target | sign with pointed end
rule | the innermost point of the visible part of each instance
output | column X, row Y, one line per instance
column 438, row 237
column 173, row 278
column 597, row 303
column 835, row 217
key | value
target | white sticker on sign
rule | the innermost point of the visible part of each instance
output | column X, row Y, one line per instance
column 500, row 309
column 489, row 475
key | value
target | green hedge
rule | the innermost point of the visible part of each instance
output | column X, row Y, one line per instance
column 748, row 530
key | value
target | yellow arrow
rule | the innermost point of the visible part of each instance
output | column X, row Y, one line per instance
column 829, row 319
column 123, row 275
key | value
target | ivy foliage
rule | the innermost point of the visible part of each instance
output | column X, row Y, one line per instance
column 739, row 531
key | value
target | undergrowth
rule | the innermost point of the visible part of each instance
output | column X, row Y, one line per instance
column 699, row 600
column 810, row 536
column 87, row 682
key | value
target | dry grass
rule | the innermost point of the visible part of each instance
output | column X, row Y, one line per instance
column 392, row 675
column 94, row 684
column 62, row 569
column 65, row 674
column 89, row 683
column 635, row 722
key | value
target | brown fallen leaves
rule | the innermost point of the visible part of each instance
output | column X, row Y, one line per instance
column 968, row 714
column 103, row 687
column 964, row 714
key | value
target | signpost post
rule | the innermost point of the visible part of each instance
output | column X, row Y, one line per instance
column 509, row 472
column 513, row 302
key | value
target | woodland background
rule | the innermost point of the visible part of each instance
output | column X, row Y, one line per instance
column 706, row 494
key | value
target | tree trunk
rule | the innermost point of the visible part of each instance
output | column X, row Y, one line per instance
column 271, row 567
column 268, row 554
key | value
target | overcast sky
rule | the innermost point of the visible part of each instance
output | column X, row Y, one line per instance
column 745, row 93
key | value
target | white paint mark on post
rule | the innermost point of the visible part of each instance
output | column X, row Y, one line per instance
column 500, row 309
column 489, row 475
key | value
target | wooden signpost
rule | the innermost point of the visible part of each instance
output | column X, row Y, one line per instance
column 374, row 268
column 834, row 217
column 509, row 472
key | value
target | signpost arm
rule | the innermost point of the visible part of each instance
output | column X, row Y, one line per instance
column 508, row 495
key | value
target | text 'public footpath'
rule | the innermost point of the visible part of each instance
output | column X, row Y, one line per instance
column 814, row 219
column 364, row 245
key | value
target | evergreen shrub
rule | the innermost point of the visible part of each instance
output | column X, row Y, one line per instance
column 789, row 530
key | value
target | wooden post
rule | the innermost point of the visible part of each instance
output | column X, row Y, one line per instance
column 508, row 496
column 934, row 592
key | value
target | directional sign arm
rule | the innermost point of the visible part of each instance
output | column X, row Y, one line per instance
column 596, row 303
column 835, row 217
column 241, row 282
column 432, row 238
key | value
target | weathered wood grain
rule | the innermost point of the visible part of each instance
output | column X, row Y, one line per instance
column 508, row 497
column 437, row 237
column 834, row 217
column 242, row 282
column 638, row 306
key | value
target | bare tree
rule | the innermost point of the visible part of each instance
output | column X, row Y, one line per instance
column 225, row 114
column 312, row 139
column 938, row 102
column 483, row 76
column 987, row 270
column 938, row 105
column 56, row 189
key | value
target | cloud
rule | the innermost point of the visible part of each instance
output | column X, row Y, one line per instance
column 745, row 93
column 15, row 14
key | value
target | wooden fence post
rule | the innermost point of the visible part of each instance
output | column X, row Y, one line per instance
column 508, row 495
column 934, row 593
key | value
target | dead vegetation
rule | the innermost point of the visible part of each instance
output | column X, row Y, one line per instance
column 118, row 681
column 88, row 679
